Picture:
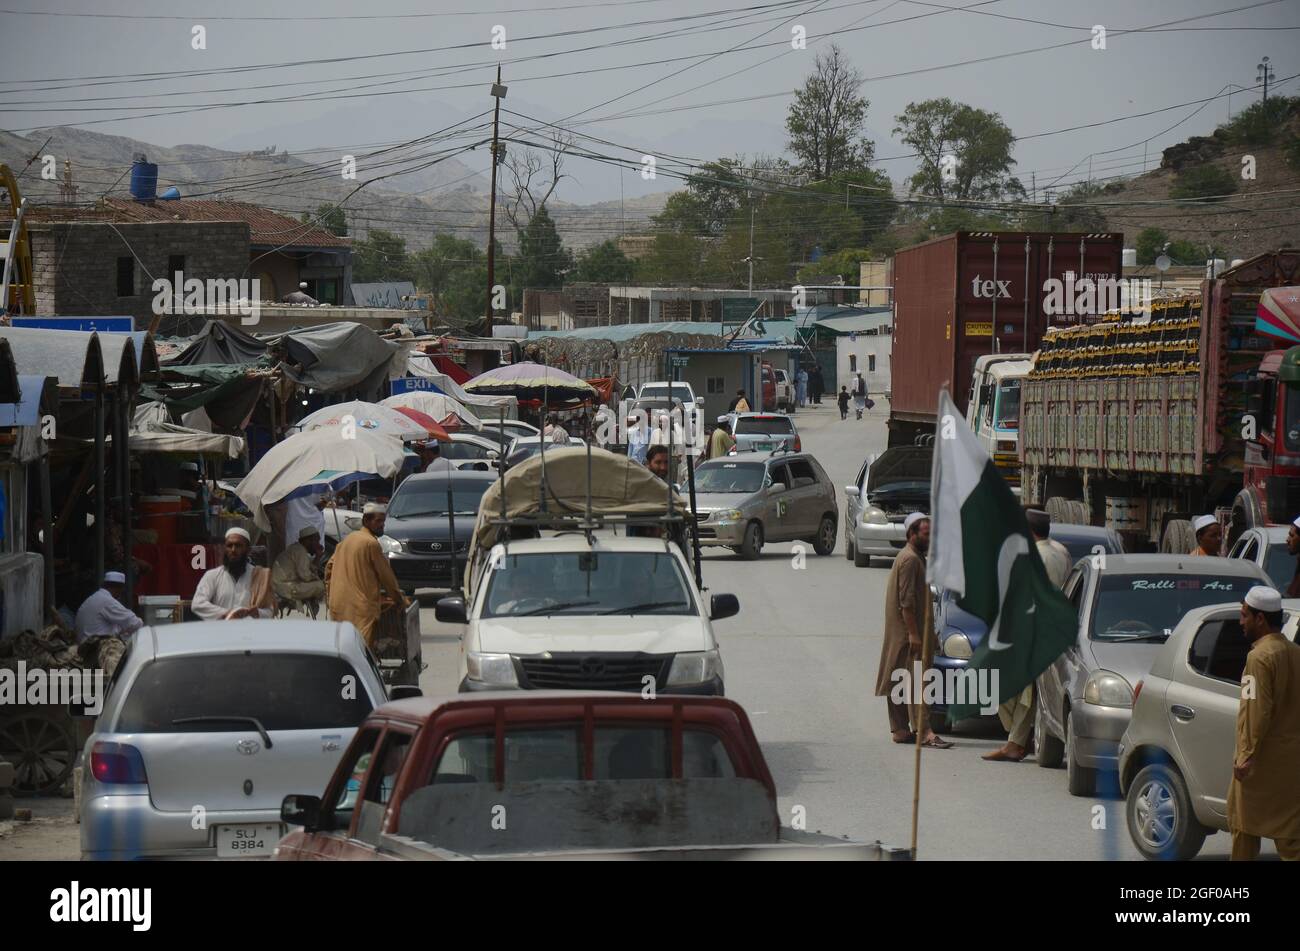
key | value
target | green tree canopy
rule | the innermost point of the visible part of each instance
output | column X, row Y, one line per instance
column 380, row 256
column 963, row 152
column 604, row 263
column 331, row 218
column 453, row 271
column 828, row 117
column 542, row 259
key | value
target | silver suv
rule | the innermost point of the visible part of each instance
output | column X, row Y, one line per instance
column 1175, row 759
column 208, row 726
column 763, row 432
column 750, row 498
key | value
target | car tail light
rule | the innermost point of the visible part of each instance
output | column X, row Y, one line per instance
column 117, row 764
column 798, row 444
column 1137, row 692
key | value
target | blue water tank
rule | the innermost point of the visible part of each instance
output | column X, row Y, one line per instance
column 170, row 194
column 144, row 180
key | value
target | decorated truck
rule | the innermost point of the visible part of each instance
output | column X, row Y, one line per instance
column 1142, row 424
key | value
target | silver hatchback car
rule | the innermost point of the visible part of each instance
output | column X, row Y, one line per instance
column 1128, row 605
column 745, row 500
column 208, row 726
column 1175, row 759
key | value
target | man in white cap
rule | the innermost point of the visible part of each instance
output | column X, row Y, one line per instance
column 103, row 614
column 1293, row 546
column 909, row 623
column 1262, row 799
column 294, row 577
column 1209, row 536
column 236, row 588
column 359, row 580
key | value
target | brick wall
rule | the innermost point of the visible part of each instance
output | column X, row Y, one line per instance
column 75, row 263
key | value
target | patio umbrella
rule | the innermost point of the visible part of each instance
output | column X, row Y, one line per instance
column 317, row 462
column 371, row 417
column 1278, row 313
column 439, row 406
column 531, row 381
column 426, row 421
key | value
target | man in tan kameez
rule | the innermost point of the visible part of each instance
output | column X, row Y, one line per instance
column 359, row 581
column 909, row 622
column 294, row 576
column 1264, row 795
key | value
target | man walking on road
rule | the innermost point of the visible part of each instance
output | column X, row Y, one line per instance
column 359, row 581
column 859, row 395
column 801, row 385
column 1262, row 800
column 1017, row 714
column 909, row 622
column 844, row 402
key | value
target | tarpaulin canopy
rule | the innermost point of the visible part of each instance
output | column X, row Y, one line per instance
column 74, row 359
column 153, row 431
column 220, row 343
column 437, row 405
column 374, row 417
column 1278, row 313
column 314, row 463
column 481, row 404
column 37, row 395
column 228, row 392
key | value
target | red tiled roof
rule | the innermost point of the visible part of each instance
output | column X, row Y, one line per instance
column 267, row 227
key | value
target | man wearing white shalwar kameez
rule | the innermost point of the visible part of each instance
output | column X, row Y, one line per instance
column 235, row 589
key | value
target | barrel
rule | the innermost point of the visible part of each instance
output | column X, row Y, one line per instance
column 161, row 514
column 144, row 181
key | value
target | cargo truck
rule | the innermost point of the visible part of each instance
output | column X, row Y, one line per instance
column 969, row 294
column 1140, row 425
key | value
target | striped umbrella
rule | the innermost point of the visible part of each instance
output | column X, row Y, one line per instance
column 424, row 419
column 1278, row 313
column 531, row 381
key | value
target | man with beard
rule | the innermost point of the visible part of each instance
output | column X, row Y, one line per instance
column 1293, row 547
column 359, row 581
column 237, row 589
column 909, row 621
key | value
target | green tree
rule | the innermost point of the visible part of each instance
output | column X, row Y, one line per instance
column 827, row 119
column 963, row 152
column 845, row 263
column 542, row 259
column 1149, row 243
column 1072, row 212
column 380, row 256
column 604, row 263
column 453, row 271
column 1262, row 122
column 1203, row 182
column 331, row 218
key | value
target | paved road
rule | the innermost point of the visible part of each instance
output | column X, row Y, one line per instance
column 801, row 658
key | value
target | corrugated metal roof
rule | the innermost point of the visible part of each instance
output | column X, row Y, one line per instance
column 780, row 330
column 858, row 323
column 71, row 357
column 267, row 227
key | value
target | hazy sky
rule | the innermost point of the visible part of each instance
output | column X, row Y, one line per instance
column 49, row 58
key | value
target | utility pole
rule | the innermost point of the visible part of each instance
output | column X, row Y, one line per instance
column 1264, row 75
column 751, row 243
column 498, row 93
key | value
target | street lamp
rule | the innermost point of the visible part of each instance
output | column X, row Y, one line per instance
column 1264, row 74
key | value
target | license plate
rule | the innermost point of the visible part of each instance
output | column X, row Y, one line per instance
column 247, row 841
column 763, row 446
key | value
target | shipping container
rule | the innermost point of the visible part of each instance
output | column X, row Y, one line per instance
column 1141, row 425
column 968, row 294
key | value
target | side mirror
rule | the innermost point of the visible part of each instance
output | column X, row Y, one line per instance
column 493, row 454
column 404, row 692
column 450, row 610
column 299, row 810
column 776, row 488
column 851, row 492
column 723, row 605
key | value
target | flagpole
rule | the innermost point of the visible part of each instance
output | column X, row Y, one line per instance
column 923, row 719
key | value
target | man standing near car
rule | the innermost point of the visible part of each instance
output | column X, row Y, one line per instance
column 1017, row 714
column 909, row 621
column 359, row 581
column 1293, row 546
column 1209, row 537
column 1262, row 797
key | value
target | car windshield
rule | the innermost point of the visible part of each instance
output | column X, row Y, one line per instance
column 1007, row 414
column 282, row 691
column 660, row 392
column 587, row 583
column 429, row 497
column 744, row 477
column 1279, row 565
column 1148, row 606
column 752, row 425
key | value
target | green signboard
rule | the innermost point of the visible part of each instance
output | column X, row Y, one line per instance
column 737, row 310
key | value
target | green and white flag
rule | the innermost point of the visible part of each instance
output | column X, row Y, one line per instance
column 982, row 551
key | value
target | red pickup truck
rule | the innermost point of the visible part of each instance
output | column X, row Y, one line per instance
column 551, row 774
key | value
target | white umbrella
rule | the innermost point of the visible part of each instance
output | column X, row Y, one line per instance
column 316, row 462
column 372, row 417
column 437, row 405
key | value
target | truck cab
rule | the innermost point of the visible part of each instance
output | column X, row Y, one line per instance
column 993, row 409
column 1271, row 492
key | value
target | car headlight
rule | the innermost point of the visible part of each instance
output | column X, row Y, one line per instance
column 390, row 545
column 957, row 646
column 1107, row 689
column 727, row 515
column 496, row 669
column 873, row 515
column 695, row 668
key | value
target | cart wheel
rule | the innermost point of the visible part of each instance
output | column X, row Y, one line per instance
column 42, row 749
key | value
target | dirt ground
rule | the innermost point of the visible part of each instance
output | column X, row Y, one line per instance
column 51, row 834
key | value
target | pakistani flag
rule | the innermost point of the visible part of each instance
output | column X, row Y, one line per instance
column 982, row 551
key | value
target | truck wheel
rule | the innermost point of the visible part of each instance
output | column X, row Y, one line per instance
column 1179, row 537
column 1056, row 508
column 1080, row 513
column 1048, row 750
column 753, row 544
column 1161, row 822
column 824, row 542
column 1080, row 780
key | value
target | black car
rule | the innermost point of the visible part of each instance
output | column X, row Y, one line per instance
column 418, row 533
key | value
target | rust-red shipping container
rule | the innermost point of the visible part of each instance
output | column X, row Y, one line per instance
column 971, row 293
